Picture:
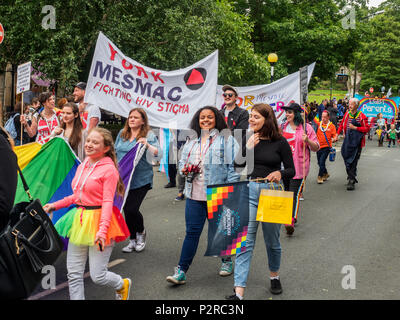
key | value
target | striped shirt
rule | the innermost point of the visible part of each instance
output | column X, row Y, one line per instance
column 46, row 127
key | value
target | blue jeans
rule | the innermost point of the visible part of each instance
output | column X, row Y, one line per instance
column 322, row 155
column 195, row 218
column 271, row 232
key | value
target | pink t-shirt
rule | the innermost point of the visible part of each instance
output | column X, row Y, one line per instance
column 94, row 185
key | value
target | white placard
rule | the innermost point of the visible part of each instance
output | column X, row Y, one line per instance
column 24, row 77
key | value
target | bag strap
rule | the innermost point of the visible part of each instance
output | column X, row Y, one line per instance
column 26, row 188
column 326, row 138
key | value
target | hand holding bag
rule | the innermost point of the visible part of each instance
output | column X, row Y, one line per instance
column 275, row 206
column 332, row 151
column 27, row 244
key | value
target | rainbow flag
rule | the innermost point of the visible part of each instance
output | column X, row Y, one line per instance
column 228, row 218
column 48, row 171
column 126, row 168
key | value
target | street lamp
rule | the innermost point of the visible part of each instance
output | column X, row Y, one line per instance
column 272, row 59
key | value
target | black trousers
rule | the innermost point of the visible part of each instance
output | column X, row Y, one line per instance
column 296, row 186
column 172, row 171
column 133, row 217
column 351, row 169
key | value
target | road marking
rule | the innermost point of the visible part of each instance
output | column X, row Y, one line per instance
column 65, row 284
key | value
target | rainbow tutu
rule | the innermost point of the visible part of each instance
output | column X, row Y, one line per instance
column 80, row 226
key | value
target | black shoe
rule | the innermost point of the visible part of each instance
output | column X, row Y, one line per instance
column 170, row 185
column 276, row 287
column 233, row 297
column 180, row 197
column 350, row 185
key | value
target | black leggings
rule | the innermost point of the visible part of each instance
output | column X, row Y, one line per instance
column 133, row 217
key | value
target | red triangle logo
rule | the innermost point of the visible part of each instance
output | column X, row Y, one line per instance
column 195, row 78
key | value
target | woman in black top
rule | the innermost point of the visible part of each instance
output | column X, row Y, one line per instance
column 270, row 150
column 8, row 177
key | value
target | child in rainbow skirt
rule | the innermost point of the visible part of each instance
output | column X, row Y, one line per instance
column 93, row 225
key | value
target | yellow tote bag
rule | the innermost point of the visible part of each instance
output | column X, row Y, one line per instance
column 275, row 206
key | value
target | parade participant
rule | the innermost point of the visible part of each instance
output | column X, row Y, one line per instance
column 45, row 122
column 381, row 128
column 137, row 130
column 326, row 134
column 8, row 177
column 392, row 135
column 206, row 160
column 235, row 117
column 354, row 127
column 93, row 226
column 270, row 150
column 89, row 113
column 322, row 107
column 302, row 139
column 71, row 129
column 16, row 118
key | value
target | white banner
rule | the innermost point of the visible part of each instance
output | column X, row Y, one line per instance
column 24, row 77
column 118, row 84
column 277, row 94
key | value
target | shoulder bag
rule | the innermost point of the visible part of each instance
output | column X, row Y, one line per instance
column 27, row 244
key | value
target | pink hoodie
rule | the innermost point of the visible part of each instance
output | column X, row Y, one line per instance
column 298, row 150
column 99, row 185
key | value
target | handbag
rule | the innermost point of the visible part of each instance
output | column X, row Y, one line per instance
column 275, row 206
column 332, row 151
column 27, row 244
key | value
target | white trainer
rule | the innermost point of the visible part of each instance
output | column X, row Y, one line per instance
column 140, row 241
column 130, row 247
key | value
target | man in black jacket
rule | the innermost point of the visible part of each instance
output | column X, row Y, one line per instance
column 235, row 117
column 8, row 178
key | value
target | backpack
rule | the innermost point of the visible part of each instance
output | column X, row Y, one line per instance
column 10, row 127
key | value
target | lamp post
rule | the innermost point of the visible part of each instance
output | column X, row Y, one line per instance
column 272, row 59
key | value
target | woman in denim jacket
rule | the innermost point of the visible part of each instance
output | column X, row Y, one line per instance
column 206, row 160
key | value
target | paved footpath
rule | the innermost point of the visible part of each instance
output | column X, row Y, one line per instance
column 340, row 233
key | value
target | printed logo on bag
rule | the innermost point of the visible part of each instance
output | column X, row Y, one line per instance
column 228, row 221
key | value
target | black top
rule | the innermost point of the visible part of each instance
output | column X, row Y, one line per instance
column 238, row 118
column 17, row 125
column 8, row 179
column 268, row 156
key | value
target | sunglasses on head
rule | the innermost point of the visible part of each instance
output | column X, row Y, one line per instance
column 230, row 95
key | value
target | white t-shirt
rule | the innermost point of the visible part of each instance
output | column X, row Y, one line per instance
column 91, row 111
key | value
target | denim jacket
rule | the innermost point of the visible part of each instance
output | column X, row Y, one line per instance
column 218, row 166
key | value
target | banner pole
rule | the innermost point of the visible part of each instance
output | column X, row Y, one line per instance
column 304, row 145
column 22, row 112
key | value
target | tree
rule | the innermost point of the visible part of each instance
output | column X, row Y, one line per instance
column 379, row 54
column 303, row 31
column 164, row 34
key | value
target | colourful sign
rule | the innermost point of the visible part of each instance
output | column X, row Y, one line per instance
column 371, row 106
column 1, row 33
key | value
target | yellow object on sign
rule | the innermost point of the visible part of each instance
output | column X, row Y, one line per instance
column 275, row 206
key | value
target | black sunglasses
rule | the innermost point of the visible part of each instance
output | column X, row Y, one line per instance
column 230, row 95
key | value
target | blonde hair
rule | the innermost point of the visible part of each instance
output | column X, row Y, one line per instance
column 109, row 142
column 144, row 130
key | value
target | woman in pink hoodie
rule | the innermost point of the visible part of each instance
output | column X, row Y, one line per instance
column 301, row 140
column 93, row 225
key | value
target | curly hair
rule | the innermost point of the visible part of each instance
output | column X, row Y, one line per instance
column 220, row 123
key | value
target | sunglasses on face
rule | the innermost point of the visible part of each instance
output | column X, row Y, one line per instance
column 289, row 111
column 230, row 95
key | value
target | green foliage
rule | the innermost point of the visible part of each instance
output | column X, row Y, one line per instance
column 163, row 34
column 379, row 54
column 173, row 34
